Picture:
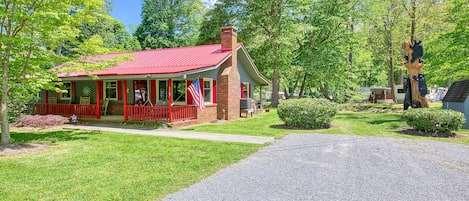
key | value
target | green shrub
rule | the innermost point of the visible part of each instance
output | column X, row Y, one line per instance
column 307, row 113
column 434, row 122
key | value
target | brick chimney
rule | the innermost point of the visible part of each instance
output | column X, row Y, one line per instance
column 228, row 85
column 229, row 37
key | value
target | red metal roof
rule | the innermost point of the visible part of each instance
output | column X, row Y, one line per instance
column 162, row 61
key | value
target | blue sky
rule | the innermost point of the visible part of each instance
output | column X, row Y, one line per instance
column 128, row 11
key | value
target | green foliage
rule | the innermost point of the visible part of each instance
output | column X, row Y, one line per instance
column 31, row 32
column 224, row 13
column 307, row 113
column 327, row 45
column 112, row 33
column 447, row 53
column 169, row 23
column 434, row 122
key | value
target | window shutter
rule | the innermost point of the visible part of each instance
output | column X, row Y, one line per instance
column 153, row 91
column 242, row 90
column 119, row 90
column 189, row 95
column 201, row 85
column 214, row 91
column 72, row 91
column 249, row 90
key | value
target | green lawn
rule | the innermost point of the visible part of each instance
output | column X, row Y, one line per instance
column 354, row 123
column 106, row 166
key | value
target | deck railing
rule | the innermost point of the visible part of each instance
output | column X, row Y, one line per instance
column 81, row 110
column 141, row 113
column 161, row 113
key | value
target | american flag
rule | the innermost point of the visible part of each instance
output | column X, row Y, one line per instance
column 194, row 89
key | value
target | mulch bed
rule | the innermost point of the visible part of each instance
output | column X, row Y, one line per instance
column 14, row 149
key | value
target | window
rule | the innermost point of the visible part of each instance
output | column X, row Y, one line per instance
column 207, row 90
column 163, row 90
column 179, row 91
column 66, row 96
column 245, row 90
column 110, row 90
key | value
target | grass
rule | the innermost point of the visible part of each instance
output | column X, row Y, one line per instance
column 106, row 166
column 266, row 124
column 354, row 123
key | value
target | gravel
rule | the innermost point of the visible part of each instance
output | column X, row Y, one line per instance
column 341, row 167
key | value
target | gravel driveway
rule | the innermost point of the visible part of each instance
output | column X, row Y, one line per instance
column 341, row 167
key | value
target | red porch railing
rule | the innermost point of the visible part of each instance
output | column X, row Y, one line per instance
column 141, row 113
column 161, row 113
column 81, row 110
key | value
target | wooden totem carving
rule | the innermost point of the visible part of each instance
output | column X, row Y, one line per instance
column 414, row 52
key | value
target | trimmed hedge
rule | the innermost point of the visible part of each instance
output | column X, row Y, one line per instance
column 307, row 113
column 434, row 122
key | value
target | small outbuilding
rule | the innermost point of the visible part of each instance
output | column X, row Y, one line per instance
column 380, row 95
column 457, row 98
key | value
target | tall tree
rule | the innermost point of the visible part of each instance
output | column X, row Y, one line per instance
column 27, row 29
column 169, row 23
column 272, row 29
column 223, row 13
column 448, row 54
column 115, row 37
column 325, row 51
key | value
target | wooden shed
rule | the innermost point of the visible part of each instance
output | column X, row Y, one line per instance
column 457, row 98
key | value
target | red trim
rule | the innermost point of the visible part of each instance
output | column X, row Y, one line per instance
column 214, row 91
column 249, row 90
column 190, row 99
column 99, row 87
column 72, row 90
column 153, row 91
column 242, row 90
column 126, row 113
column 119, row 90
column 46, row 96
column 170, row 99
column 201, row 84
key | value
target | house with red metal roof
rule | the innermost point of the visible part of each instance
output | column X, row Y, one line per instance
column 154, row 85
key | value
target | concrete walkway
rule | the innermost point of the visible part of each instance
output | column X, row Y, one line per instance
column 180, row 134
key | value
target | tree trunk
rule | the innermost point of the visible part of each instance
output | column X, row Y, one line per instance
column 275, row 88
column 286, row 93
column 412, row 16
column 298, row 77
column 303, row 85
column 350, row 55
column 4, row 119
column 325, row 92
column 413, row 13
column 391, row 71
column 4, row 107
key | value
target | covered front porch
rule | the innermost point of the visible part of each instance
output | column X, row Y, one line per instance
column 142, row 113
column 129, row 99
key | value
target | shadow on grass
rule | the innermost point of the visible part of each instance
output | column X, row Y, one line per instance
column 414, row 132
column 50, row 136
column 285, row 127
column 350, row 116
column 382, row 121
